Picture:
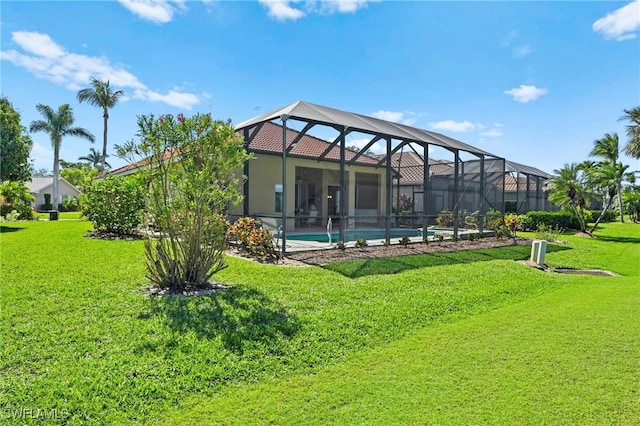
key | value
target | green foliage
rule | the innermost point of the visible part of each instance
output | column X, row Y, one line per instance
column 253, row 238
column 192, row 167
column 16, row 197
column 341, row 246
column 70, row 205
column 15, row 145
column 631, row 197
column 548, row 233
column 101, row 95
column 115, row 204
column 568, row 188
column 532, row 220
column 79, row 175
column 405, row 241
column 474, row 236
column 361, row 243
column 513, row 222
column 493, row 219
column 608, row 215
column 445, row 218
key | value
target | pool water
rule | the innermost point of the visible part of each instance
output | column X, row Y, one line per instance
column 354, row 234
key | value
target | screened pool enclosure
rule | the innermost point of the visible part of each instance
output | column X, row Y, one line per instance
column 359, row 176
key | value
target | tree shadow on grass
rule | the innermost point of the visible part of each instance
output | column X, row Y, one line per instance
column 4, row 229
column 239, row 316
column 619, row 239
column 386, row 266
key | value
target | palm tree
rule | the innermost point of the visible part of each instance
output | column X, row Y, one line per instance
column 94, row 158
column 58, row 125
column 101, row 95
column 608, row 148
column 606, row 179
column 632, row 149
column 568, row 189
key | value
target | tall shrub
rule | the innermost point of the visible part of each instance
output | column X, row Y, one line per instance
column 115, row 204
column 192, row 167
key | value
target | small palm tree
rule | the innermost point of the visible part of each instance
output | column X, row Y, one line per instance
column 632, row 148
column 608, row 148
column 58, row 125
column 94, row 158
column 101, row 95
column 568, row 189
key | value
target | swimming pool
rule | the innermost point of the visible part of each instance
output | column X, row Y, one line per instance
column 354, row 234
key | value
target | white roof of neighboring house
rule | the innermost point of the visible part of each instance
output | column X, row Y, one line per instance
column 39, row 183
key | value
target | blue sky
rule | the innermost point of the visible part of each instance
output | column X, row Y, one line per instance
column 534, row 82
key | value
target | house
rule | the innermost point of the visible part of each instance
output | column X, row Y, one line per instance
column 39, row 186
column 299, row 181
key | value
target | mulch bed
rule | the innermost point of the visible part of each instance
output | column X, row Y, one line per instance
column 324, row 257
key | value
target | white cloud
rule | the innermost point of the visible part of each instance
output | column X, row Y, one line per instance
column 38, row 44
column 157, row 11
column 522, row 51
column 526, row 93
column 173, row 98
column 394, row 116
column 494, row 132
column 343, row 6
column 283, row 10
column 455, row 126
column 620, row 24
column 47, row 60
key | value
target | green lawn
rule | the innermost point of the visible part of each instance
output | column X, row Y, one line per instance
column 472, row 339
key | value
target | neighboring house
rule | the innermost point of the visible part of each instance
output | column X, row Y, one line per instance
column 44, row 185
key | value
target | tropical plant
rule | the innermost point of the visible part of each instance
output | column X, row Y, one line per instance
column 609, row 173
column 58, row 125
column 513, row 221
column 114, row 204
column 79, row 176
column 15, row 196
column 101, row 95
column 252, row 237
column 15, row 145
column 568, row 189
column 14, row 192
column 191, row 165
column 94, row 158
column 632, row 148
column 631, row 198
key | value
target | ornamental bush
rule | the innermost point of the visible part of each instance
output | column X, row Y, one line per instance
column 191, row 165
column 115, row 204
column 249, row 234
column 557, row 219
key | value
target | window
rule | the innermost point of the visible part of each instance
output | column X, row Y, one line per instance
column 278, row 198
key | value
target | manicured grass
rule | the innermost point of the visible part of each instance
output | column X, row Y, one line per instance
column 61, row 216
column 362, row 267
column 78, row 336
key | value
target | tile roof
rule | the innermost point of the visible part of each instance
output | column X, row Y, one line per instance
column 412, row 166
column 513, row 185
column 269, row 140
